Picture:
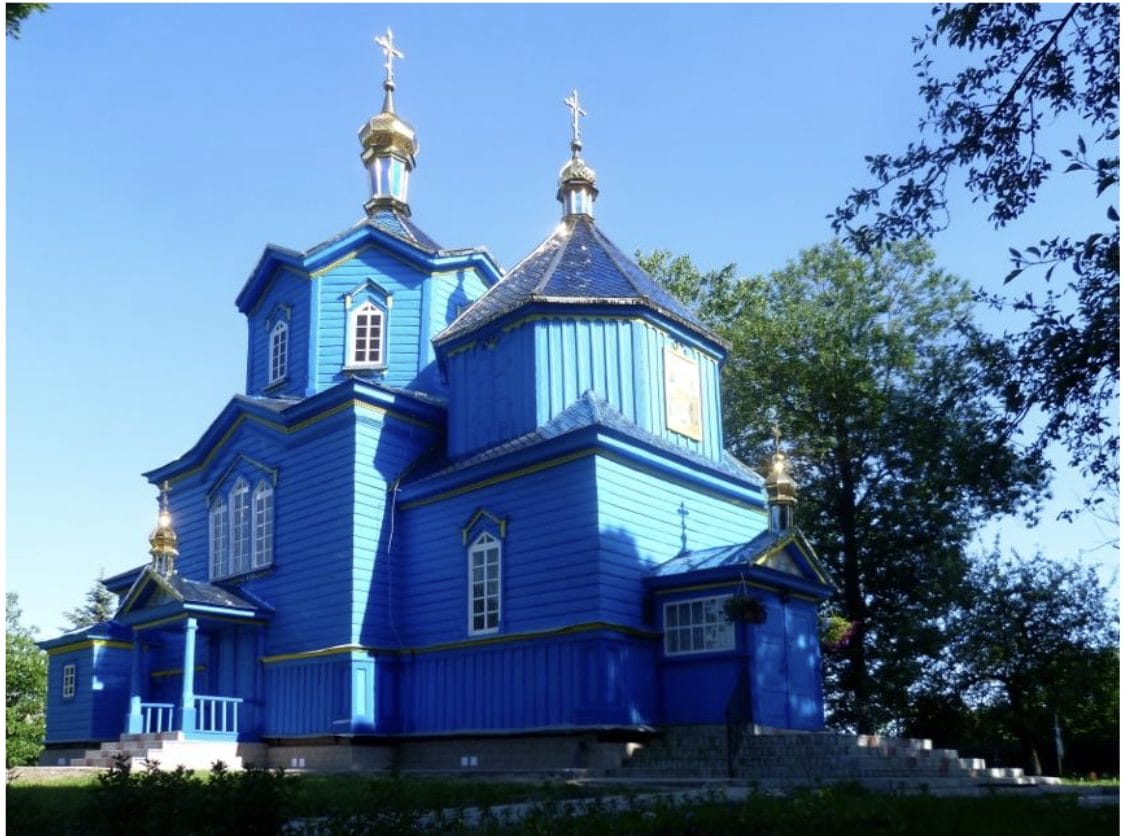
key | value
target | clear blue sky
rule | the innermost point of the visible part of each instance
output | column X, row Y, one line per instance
column 152, row 151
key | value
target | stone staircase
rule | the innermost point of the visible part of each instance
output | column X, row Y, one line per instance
column 170, row 750
column 781, row 759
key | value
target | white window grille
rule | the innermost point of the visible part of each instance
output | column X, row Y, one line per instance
column 484, row 584
column 263, row 525
column 278, row 352
column 68, row 682
column 698, row 625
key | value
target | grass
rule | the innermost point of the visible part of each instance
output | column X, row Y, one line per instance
column 258, row 801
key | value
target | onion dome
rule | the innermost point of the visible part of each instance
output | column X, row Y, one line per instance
column 781, row 490
column 163, row 539
column 577, row 180
column 389, row 143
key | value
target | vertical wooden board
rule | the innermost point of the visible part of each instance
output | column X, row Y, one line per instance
column 804, row 668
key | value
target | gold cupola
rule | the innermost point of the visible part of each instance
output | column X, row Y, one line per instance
column 163, row 539
column 389, row 144
column 781, row 491
column 577, row 180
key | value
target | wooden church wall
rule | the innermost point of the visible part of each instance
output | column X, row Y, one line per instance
column 288, row 300
column 491, row 391
column 385, row 447
column 585, row 678
column 647, row 518
column 101, row 693
column 548, row 568
column 444, row 296
column 621, row 360
column 328, row 694
column 311, row 572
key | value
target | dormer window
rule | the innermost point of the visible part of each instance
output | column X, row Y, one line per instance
column 367, row 345
column 278, row 353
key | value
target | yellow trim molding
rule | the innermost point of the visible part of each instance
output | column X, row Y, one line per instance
column 83, row 645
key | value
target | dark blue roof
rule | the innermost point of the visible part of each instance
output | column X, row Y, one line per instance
column 587, row 411
column 399, row 225
column 738, row 553
column 577, row 264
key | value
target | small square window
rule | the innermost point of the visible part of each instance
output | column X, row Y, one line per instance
column 68, row 679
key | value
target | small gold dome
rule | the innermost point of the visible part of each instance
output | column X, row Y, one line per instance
column 386, row 133
column 576, row 169
column 779, row 485
column 163, row 539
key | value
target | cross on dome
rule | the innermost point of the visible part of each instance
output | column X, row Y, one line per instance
column 386, row 42
column 577, row 112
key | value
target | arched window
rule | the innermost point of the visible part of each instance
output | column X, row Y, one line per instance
column 278, row 352
column 484, row 584
column 367, row 345
column 239, row 528
column 220, row 539
column 263, row 525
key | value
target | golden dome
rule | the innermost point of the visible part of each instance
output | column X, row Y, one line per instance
column 386, row 133
column 576, row 169
column 779, row 485
column 163, row 539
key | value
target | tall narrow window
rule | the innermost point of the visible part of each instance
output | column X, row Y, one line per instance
column 263, row 525
column 367, row 337
column 68, row 680
column 484, row 584
column 239, row 528
column 220, row 539
column 278, row 352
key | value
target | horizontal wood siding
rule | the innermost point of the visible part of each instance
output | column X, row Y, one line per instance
column 491, row 392
column 293, row 292
column 642, row 523
column 406, row 357
column 310, row 581
column 448, row 295
column 549, row 563
column 385, row 449
column 589, row 679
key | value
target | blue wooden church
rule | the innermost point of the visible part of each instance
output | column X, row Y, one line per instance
column 459, row 518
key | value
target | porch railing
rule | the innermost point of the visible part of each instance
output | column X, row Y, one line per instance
column 157, row 717
column 217, row 714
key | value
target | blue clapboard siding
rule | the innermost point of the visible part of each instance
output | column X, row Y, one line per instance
column 309, row 582
column 321, row 695
column 100, row 702
column 509, row 382
column 549, row 563
column 593, row 678
column 421, row 305
column 287, row 299
column 385, row 449
column 645, row 519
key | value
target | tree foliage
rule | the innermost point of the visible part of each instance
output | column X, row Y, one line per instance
column 1030, row 639
column 16, row 13
column 25, row 671
column 990, row 121
column 885, row 393
column 101, row 605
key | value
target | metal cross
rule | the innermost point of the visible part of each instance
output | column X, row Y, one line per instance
column 391, row 51
column 572, row 103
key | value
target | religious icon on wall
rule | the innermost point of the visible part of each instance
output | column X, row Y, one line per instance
column 682, row 393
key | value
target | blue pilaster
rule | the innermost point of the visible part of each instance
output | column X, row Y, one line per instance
column 187, row 701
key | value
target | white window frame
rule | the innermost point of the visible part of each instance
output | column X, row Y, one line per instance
column 69, row 681
column 263, row 526
column 490, row 574
column 241, row 528
column 219, row 524
column 278, row 352
column 713, row 632
column 379, row 362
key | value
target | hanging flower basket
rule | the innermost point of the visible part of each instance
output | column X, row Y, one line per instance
column 745, row 609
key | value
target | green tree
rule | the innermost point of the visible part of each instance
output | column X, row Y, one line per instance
column 25, row 671
column 886, row 395
column 16, row 13
column 1030, row 639
column 101, row 605
column 990, row 120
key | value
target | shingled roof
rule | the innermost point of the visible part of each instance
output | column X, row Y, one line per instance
column 576, row 265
